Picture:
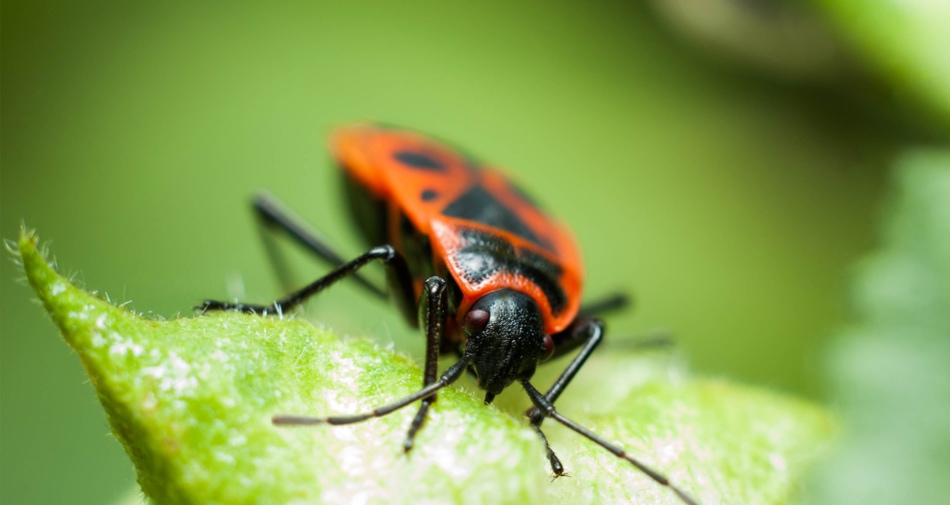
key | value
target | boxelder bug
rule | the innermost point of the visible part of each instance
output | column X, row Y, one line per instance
column 470, row 258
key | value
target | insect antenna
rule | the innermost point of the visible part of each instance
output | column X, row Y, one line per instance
column 450, row 376
column 548, row 410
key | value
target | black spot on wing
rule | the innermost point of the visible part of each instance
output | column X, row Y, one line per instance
column 476, row 266
column 545, row 274
column 479, row 240
column 483, row 254
column 419, row 161
column 539, row 264
column 478, row 205
column 428, row 195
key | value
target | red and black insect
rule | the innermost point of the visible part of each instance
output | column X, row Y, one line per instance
column 471, row 259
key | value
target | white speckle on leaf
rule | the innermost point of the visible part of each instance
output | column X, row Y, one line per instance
column 219, row 355
column 778, row 462
column 97, row 339
column 123, row 346
column 175, row 374
column 101, row 321
column 347, row 434
column 179, row 365
column 57, row 287
column 149, row 402
column 337, row 404
column 224, row 457
column 351, row 459
column 155, row 371
column 444, row 453
column 179, row 384
column 237, row 440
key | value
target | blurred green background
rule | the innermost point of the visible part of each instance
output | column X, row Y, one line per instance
column 729, row 190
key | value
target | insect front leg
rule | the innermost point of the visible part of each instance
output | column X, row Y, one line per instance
column 587, row 332
column 399, row 273
column 433, row 306
column 547, row 410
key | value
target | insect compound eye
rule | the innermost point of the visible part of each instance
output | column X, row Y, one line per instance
column 547, row 348
column 476, row 320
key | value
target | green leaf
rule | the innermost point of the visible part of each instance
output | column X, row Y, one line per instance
column 191, row 399
column 889, row 372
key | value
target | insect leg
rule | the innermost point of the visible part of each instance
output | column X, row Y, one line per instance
column 386, row 253
column 616, row 301
column 547, row 409
column 273, row 213
column 432, row 308
column 589, row 332
column 451, row 375
column 556, row 465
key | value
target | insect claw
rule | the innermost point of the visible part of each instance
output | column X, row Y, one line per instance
column 559, row 475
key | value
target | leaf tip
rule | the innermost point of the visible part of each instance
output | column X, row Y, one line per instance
column 32, row 257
